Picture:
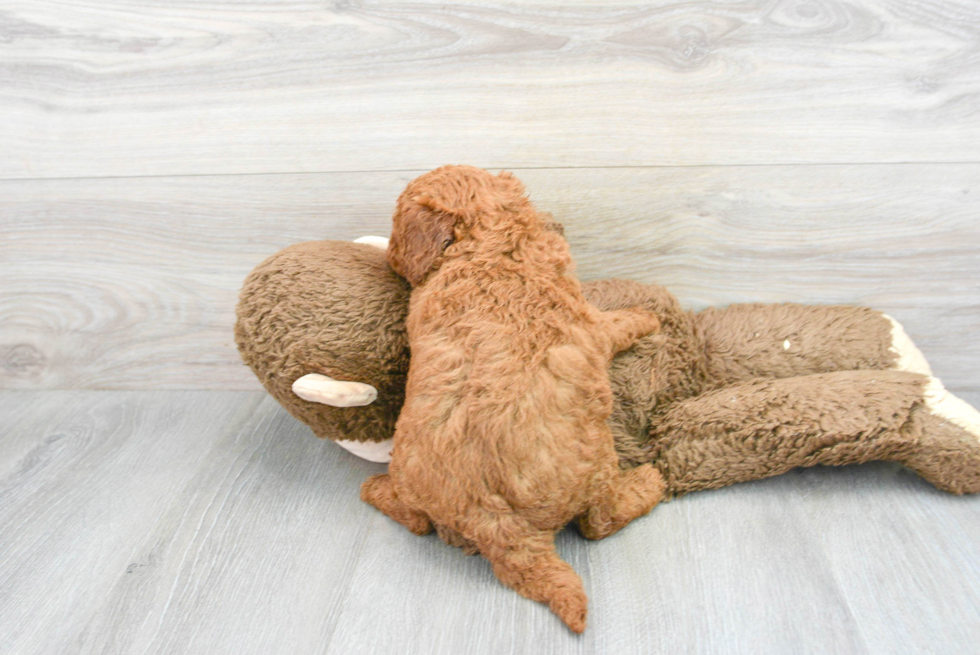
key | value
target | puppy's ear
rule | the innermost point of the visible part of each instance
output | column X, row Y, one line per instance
column 422, row 233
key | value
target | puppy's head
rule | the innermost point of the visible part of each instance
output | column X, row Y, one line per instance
column 441, row 208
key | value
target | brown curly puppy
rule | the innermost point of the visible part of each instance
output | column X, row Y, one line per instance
column 502, row 439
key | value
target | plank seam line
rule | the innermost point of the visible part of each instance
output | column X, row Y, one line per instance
column 515, row 168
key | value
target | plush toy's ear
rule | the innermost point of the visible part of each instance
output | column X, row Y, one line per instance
column 422, row 230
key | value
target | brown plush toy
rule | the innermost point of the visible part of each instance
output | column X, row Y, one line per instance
column 716, row 397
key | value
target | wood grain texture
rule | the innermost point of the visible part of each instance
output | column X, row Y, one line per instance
column 131, row 283
column 212, row 522
column 76, row 505
column 255, row 555
column 922, row 550
column 117, row 88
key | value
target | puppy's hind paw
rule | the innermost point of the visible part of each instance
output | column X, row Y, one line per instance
column 379, row 491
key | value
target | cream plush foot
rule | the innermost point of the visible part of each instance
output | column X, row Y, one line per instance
column 948, row 454
column 907, row 356
column 948, row 450
column 955, row 410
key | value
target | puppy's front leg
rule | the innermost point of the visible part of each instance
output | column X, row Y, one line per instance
column 378, row 490
column 626, row 326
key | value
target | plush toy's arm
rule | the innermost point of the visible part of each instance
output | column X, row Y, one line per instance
column 767, row 427
column 744, row 342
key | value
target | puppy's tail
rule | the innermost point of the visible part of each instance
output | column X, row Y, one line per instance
column 533, row 569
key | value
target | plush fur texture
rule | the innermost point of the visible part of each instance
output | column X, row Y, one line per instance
column 332, row 308
column 750, row 391
column 337, row 308
column 502, row 439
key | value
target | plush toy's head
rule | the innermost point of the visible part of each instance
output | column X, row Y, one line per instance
column 322, row 325
column 337, row 310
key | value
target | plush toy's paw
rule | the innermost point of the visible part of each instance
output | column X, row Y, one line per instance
column 907, row 356
column 947, row 452
column 318, row 388
column 373, row 451
column 944, row 404
column 377, row 242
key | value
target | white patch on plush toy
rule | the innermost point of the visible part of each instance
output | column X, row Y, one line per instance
column 318, row 388
column 377, row 242
column 943, row 403
column 910, row 358
column 372, row 451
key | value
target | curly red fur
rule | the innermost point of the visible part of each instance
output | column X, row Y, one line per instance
column 503, row 438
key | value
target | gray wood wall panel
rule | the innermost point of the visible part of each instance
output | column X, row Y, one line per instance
column 120, row 88
column 131, row 283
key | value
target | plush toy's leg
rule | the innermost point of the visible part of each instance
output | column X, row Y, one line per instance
column 632, row 493
column 766, row 427
column 378, row 490
column 744, row 342
column 525, row 560
column 950, row 440
column 626, row 326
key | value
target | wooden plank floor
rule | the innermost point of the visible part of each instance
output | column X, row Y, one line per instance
column 212, row 522
column 154, row 500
